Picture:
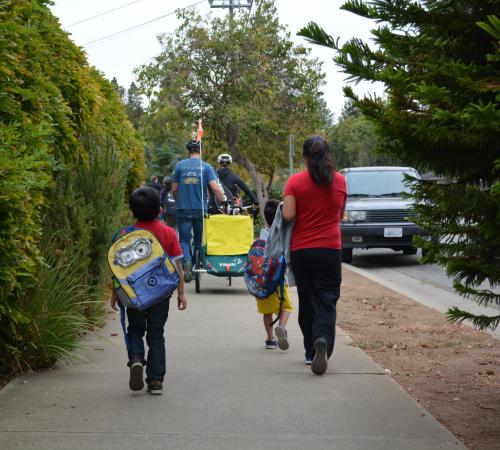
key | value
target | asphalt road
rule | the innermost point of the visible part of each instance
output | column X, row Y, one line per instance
column 379, row 261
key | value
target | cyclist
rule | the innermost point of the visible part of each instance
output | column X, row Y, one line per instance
column 191, row 200
column 232, row 181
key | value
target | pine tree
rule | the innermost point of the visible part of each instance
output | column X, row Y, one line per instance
column 133, row 105
column 438, row 60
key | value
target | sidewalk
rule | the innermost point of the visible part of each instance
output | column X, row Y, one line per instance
column 223, row 390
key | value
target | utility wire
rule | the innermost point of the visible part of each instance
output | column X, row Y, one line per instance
column 101, row 14
column 119, row 33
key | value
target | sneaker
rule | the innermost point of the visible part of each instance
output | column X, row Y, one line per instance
column 282, row 336
column 319, row 363
column 308, row 360
column 155, row 387
column 271, row 344
column 136, row 382
column 187, row 271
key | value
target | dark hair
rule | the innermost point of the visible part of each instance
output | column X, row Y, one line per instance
column 193, row 146
column 145, row 203
column 270, row 209
column 320, row 164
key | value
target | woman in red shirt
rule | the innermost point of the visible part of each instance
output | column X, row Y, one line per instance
column 315, row 198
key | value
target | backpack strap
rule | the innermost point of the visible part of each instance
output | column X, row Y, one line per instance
column 122, row 232
column 281, row 293
column 123, row 317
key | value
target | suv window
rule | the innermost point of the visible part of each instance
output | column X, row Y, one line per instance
column 377, row 183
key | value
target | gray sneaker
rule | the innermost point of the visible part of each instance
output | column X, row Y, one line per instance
column 282, row 336
column 188, row 276
column 136, row 382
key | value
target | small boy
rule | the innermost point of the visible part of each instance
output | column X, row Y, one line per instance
column 145, row 206
column 271, row 305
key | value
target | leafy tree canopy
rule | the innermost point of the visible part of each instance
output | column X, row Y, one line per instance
column 354, row 141
column 248, row 82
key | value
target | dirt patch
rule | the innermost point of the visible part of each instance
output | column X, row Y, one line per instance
column 453, row 371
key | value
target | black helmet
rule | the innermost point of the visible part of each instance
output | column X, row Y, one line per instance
column 193, row 146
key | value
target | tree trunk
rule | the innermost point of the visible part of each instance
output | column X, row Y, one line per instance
column 258, row 182
column 271, row 180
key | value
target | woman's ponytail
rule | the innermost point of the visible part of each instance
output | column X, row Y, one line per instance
column 320, row 164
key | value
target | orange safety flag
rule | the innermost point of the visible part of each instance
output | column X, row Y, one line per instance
column 199, row 135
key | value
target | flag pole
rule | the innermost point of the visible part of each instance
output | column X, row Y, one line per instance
column 199, row 135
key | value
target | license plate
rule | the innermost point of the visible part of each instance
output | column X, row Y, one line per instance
column 393, row 232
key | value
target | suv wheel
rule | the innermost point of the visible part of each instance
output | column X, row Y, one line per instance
column 347, row 255
column 409, row 251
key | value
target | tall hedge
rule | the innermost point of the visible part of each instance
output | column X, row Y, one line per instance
column 68, row 155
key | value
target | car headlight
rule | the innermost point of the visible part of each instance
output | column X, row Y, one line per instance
column 356, row 216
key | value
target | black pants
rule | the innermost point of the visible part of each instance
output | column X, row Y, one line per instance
column 318, row 275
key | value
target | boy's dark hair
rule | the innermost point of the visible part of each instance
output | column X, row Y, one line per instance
column 145, row 203
column 270, row 209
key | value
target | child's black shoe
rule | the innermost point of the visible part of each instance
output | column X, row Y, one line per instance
column 136, row 382
column 155, row 387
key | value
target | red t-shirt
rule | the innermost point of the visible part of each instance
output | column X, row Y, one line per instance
column 318, row 208
column 166, row 235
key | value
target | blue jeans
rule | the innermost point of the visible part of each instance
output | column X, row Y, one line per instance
column 189, row 222
column 152, row 322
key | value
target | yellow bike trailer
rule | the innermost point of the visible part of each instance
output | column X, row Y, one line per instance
column 226, row 241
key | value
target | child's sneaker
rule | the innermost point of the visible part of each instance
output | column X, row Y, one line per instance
column 282, row 336
column 155, row 387
column 271, row 344
column 187, row 271
column 319, row 363
column 136, row 382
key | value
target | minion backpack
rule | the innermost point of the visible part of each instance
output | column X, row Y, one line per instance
column 143, row 273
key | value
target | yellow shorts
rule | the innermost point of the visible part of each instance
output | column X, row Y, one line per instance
column 271, row 304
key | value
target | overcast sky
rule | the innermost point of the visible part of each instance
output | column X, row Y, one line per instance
column 118, row 56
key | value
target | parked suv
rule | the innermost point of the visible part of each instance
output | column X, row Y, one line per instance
column 376, row 214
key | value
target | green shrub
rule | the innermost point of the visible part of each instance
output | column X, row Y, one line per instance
column 102, row 182
column 68, row 156
column 56, row 313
